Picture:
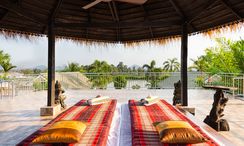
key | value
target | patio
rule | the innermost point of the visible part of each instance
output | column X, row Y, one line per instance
column 19, row 117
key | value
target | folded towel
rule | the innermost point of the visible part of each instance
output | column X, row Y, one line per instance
column 98, row 100
column 149, row 100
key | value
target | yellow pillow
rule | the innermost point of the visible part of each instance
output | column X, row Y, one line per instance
column 178, row 132
column 62, row 132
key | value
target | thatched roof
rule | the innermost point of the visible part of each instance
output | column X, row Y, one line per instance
column 116, row 21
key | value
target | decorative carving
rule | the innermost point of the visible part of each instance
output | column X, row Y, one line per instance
column 59, row 96
column 214, row 118
column 177, row 93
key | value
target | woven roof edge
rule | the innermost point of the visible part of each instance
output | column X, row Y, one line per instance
column 211, row 32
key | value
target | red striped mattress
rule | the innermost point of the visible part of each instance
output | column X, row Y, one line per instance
column 142, row 117
column 99, row 116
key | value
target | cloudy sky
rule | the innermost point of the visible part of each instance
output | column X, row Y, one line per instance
column 29, row 54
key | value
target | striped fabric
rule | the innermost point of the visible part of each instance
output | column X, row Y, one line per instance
column 142, row 129
column 99, row 118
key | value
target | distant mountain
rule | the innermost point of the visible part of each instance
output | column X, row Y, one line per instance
column 41, row 67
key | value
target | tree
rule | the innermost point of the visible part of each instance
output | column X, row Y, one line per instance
column 171, row 65
column 150, row 66
column 238, row 53
column 200, row 64
column 7, row 66
column 5, row 62
column 121, row 67
column 72, row 67
column 100, row 67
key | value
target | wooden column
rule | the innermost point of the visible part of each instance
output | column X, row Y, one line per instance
column 184, row 50
column 51, row 65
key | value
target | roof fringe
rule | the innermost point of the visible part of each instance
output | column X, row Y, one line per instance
column 212, row 32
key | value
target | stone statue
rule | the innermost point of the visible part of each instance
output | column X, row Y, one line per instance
column 214, row 118
column 59, row 97
column 177, row 93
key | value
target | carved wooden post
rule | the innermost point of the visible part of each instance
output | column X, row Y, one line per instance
column 184, row 50
column 51, row 64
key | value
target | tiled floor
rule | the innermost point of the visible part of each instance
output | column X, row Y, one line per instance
column 19, row 117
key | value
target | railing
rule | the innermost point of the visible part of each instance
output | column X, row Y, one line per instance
column 129, row 80
column 7, row 89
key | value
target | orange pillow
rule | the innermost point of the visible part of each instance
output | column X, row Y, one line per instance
column 62, row 132
column 178, row 132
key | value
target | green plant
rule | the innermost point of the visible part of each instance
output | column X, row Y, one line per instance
column 199, row 81
column 100, row 81
column 120, row 82
column 39, row 86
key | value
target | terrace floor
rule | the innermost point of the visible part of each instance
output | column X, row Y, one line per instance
column 19, row 117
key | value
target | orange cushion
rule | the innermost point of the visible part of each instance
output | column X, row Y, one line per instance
column 62, row 132
column 178, row 132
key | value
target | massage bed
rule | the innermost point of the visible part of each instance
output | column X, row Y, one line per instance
column 144, row 133
column 98, row 116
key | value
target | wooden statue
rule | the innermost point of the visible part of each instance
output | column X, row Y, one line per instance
column 177, row 93
column 214, row 118
column 59, row 97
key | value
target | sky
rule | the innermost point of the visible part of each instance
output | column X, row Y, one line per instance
column 31, row 53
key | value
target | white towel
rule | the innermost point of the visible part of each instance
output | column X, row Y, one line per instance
column 150, row 100
column 98, row 100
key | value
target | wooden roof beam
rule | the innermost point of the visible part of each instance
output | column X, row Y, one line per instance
column 88, row 21
column 15, row 8
column 19, row 2
column 147, row 19
column 228, row 6
column 120, row 24
column 182, row 15
column 116, row 14
column 111, row 10
column 203, row 9
column 4, row 15
column 177, row 9
column 53, row 14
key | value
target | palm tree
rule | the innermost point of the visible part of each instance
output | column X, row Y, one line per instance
column 72, row 67
column 7, row 66
column 100, row 67
column 199, row 64
column 150, row 66
column 171, row 65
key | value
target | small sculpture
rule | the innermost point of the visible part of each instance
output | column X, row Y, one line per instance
column 177, row 93
column 59, row 97
column 213, row 119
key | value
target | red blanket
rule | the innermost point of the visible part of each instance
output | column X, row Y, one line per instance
column 143, row 117
column 99, row 117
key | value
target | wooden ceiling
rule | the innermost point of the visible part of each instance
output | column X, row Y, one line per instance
column 116, row 21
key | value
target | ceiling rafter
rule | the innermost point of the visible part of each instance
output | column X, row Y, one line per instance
column 230, row 8
column 5, row 14
column 181, row 13
column 121, row 24
column 53, row 14
column 111, row 10
column 88, row 21
column 147, row 19
column 116, row 13
column 15, row 8
column 203, row 9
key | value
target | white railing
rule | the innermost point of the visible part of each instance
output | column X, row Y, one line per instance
column 128, row 80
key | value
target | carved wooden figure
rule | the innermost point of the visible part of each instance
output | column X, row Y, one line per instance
column 214, row 118
column 59, row 97
column 177, row 93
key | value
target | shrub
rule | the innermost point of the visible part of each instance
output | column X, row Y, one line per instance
column 120, row 82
